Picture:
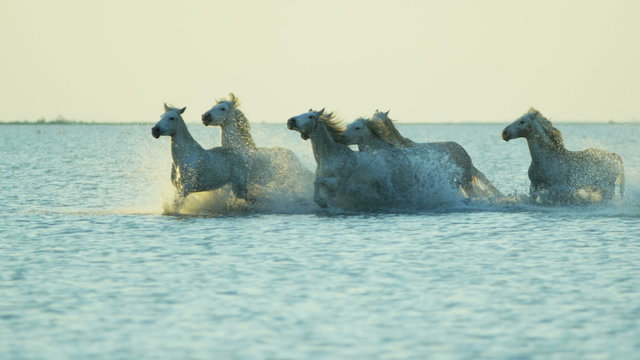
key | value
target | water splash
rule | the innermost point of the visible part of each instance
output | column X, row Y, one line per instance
column 433, row 193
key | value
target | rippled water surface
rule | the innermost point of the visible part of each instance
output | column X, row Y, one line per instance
column 90, row 268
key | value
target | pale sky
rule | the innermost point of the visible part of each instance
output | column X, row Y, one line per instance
column 427, row 61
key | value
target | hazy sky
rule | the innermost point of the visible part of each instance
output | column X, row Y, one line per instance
column 427, row 61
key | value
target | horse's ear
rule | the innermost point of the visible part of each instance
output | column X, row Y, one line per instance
column 233, row 98
column 321, row 111
column 182, row 110
column 310, row 110
column 387, row 113
column 533, row 110
column 166, row 108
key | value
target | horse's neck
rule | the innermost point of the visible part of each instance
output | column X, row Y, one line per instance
column 374, row 143
column 231, row 136
column 183, row 144
column 542, row 150
column 323, row 145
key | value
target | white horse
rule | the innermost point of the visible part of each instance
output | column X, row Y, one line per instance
column 343, row 178
column 267, row 166
column 379, row 132
column 347, row 178
column 560, row 175
column 194, row 168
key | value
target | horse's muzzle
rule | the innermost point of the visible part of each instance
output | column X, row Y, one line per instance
column 206, row 119
column 291, row 124
column 505, row 135
column 155, row 132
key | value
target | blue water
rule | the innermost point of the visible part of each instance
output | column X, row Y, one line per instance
column 90, row 268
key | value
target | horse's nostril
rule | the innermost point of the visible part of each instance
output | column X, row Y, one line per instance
column 155, row 132
column 505, row 135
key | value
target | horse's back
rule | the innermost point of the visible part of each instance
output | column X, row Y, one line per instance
column 222, row 157
column 473, row 181
column 277, row 154
column 453, row 150
column 597, row 160
column 609, row 166
column 221, row 165
column 207, row 169
column 589, row 169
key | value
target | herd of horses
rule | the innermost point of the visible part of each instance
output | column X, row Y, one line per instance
column 387, row 170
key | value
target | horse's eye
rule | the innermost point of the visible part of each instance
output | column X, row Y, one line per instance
column 358, row 128
column 312, row 116
column 223, row 109
column 521, row 121
column 172, row 118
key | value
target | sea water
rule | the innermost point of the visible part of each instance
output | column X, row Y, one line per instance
column 91, row 268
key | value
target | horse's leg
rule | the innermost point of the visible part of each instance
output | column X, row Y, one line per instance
column 318, row 197
column 608, row 191
column 467, row 188
column 401, row 179
column 620, row 181
column 240, row 186
column 534, row 192
column 174, row 175
column 481, row 181
column 467, row 182
column 180, row 196
column 459, row 157
column 321, row 186
column 242, row 192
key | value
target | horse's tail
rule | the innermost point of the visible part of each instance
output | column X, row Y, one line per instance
column 479, row 180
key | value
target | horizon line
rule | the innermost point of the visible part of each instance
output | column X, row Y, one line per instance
column 77, row 122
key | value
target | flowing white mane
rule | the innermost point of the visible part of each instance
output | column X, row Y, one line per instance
column 382, row 126
column 241, row 121
column 334, row 126
column 552, row 133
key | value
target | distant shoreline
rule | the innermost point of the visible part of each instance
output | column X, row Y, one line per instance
column 72, row 122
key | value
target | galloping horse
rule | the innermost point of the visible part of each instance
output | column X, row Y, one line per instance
column 194, row 168
column 276, row 166
column 343, row 178
column 356, row 179
column 380, row 132
column 560, row 175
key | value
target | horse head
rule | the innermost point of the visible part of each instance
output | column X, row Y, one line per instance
column 169, row 122
column 380, row 115
column 534, row 125
column 221, row 113
column 522, row 126
column 357, row 132
column 378, row 128
column 305, row 123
